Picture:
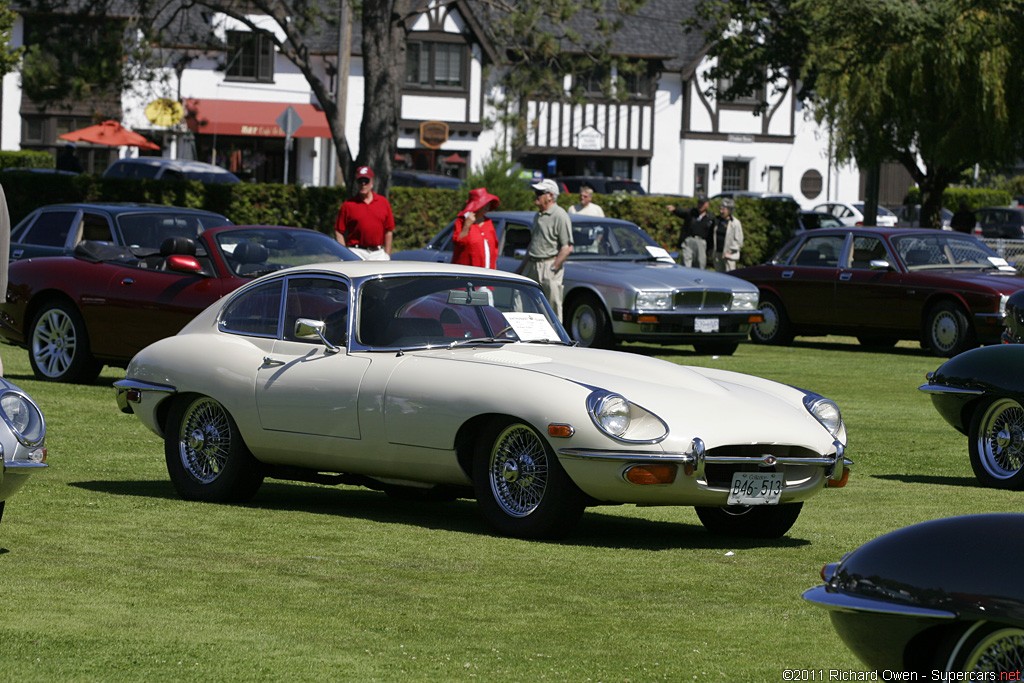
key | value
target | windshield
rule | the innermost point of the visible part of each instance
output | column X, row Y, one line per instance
column 613, row 240
column 945, row 250
column 257, row 251
column 434, row 310
column 149, row 230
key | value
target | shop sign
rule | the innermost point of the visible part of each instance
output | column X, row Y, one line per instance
column 433, row 134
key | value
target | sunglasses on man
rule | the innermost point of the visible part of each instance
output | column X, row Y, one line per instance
column 363, row 181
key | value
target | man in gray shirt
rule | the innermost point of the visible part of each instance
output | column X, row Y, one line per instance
column 550, row 244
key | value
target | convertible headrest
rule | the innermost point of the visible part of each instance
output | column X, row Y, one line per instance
column 250, row 252
column 178, row 245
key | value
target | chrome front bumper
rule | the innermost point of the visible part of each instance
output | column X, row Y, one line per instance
column 695, row 460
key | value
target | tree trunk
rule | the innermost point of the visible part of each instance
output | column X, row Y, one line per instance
column 383, row 71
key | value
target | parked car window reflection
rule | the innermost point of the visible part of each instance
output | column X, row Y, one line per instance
column 865, row 250
column 255, row 312
column 820, row 250
column 321, row 299
column 50, row 229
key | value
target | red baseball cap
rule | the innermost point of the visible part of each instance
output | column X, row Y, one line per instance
column 364, row 172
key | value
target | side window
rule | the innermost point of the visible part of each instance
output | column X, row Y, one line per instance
column 257, row 312
column 444, row 240
column 820, row 251
column 50, row 229
column 865, row 250
column 322, row 299
column 95, row 227
column 516, row 240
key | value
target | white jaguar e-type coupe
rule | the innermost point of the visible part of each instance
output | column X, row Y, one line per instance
column 431, row 378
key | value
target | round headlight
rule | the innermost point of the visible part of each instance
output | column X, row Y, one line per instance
column 22, row 416
column 826, row 412
column 612, row 414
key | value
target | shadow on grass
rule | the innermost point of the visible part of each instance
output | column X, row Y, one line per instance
column 596, row 529
column 968, row 482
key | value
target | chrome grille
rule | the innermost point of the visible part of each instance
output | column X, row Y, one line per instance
column 703, row 300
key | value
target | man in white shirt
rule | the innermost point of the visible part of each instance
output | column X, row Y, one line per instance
column 586, row 206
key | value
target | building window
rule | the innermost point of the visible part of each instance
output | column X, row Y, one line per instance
column 810, row 184
column 775, row 179
column 735, row 175
column 250, row 56
column 754, row 99
column 700, row 180
column 626, row 83
column 436, row 65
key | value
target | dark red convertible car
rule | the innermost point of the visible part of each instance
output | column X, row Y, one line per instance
column 102, row 304
column 880, row 285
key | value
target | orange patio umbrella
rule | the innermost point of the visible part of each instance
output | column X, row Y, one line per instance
column 110, row 133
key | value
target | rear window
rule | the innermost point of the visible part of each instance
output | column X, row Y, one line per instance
column 49, row 229
column 122, row 169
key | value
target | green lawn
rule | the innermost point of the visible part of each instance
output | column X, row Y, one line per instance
column 106, row 575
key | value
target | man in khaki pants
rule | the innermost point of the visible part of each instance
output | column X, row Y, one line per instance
column 550, row 244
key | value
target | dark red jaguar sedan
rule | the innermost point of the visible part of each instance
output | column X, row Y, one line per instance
column 102, row 304
column 946, row 289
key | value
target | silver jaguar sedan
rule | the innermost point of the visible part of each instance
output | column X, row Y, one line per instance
column 621, row 285
column 452, row 381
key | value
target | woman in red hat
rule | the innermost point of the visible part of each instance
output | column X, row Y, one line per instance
column 476, row 243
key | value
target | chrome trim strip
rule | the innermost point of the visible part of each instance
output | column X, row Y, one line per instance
column 955, row 391
column 651, row 457
column 23, row 465
column 843, row 602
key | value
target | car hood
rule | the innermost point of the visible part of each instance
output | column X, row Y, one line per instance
column 720, row 407
column 1007, row 281
column 653, row 274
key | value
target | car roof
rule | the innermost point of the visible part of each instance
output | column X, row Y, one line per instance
column 125, row 207
column 527, row 217
column 884, row 231
column 361, row 269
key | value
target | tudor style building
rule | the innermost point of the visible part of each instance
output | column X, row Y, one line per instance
column 665, row 132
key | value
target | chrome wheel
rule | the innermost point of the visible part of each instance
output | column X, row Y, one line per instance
column 588, row 324
column 54, row 342
column 59, row 346
column 205, row 454
column 997, row 444
column 520, row 486
column 204, row 440
column 983, row 647
column 776, row 328
column 518, row 471
column 947, row 332
column 999, row 651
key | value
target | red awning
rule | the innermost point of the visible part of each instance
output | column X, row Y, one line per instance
column 256, row 119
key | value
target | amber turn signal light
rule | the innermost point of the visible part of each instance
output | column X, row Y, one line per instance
column 651, row 474
column 841, row 482
column 560, row 431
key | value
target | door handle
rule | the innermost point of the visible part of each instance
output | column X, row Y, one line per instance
column 845, row 276
column 787, row 274
column 128, row 281
column 269, row 362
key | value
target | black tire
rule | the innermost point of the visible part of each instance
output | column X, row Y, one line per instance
column 996, row 443
column 58, row 345
column 750, row 521
column 520, row 486
column 982, row 646
column 947, row 331
column 716, row 348
column 206, row 457
column 587, row 322
column 877, row 342
column 775, row 329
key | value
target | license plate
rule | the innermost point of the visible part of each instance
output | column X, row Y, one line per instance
column 705, row 324
column 756, row 488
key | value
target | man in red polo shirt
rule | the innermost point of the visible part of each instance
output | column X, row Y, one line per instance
column 365, row 223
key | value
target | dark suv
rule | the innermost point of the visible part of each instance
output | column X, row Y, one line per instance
column 600, row 184
column 1001, row 221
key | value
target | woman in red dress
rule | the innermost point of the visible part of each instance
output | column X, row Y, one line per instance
column 475, row 242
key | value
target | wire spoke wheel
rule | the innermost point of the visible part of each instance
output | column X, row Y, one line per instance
column 204, row 440
column 518, row 471
column 997, row 444
column 1000, row 651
